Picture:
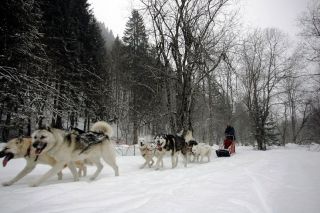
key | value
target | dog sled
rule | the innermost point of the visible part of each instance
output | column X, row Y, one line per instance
column 223, row 153
column 227, row 148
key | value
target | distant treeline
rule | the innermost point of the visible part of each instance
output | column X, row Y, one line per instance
column 191, row 68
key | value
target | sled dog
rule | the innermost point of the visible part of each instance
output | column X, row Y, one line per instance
column 190, row 154
column 201, row 150
column 170, row 143
column 68, row 148
column 21, row 148
column 147, row 152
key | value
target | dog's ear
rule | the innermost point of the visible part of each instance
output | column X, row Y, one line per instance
column 48, row 128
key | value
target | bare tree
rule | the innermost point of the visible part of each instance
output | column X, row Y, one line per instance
column 187, row 34
column 310, row 30
column 297, row 105
column 264, row 62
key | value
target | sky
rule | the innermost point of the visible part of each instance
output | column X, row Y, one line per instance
column 114, row 13
column 279, row 180
column 281, row 14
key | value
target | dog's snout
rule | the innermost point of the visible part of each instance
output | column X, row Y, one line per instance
column 2, row 154
column 35, row 144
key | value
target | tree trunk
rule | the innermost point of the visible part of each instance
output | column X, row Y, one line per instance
column 293, row 124
column 29, row 127
column 135, row 119
column 170, row 107
column 184, row 103
column 6, row 128
column 284, row 133
column 135, row 132
column 58, row 123
column 260, row 137
column 1, row 112
column 85, row 120
column 72, row 119
column 210, row 107
column 88, row 124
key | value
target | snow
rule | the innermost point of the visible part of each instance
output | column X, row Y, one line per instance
column 279, row 180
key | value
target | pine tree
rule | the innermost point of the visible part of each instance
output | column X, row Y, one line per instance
column 139, row 78
column 21, row 61
column 78, row 60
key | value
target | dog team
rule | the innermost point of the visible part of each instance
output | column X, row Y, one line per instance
column 174, row 145
column 75, row 149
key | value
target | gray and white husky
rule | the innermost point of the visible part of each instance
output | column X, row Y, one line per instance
column 174, row 144
column 68, row 148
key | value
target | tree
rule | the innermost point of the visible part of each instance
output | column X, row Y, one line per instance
column 139, row 65
column 78, row 61
column 295, row 98
column 186, row 34
column 310, row 30
column 263, row 66
column 312, row 132
column 21, row 61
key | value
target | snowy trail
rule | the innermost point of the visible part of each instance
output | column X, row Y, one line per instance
column 281, row 180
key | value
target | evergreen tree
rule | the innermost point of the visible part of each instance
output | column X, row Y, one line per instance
column 140, row 81
column 78, row 60
column 21, row 61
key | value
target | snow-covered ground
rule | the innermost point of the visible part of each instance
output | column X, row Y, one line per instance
column 279, row 180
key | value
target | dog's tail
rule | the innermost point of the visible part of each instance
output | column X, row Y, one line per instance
column 102, row 127
column 188, row 136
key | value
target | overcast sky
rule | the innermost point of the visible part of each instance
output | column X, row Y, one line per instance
column 281, row 14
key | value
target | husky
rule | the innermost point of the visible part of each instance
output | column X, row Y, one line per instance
column 147, row 152
column 190, row 143
column 21, row 148
column 170, row 143
column 190, row 154
column 201, row 150
column 68, row 148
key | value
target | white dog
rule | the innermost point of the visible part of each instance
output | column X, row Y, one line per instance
column 147, row 151
column 66, row 149
column 202, row 150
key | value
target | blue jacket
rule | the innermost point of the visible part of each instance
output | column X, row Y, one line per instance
column 230, row 133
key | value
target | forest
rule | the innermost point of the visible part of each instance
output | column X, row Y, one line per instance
column 180, row 65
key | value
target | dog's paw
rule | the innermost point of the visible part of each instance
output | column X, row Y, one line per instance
column 33, row 184
column 92, row 178
column 9, row 183
column 59, row 177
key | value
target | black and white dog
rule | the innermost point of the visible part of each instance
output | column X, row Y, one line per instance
column 170, row 143
column 190, row 145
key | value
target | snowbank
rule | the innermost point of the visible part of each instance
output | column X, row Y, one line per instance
column 273, row 181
